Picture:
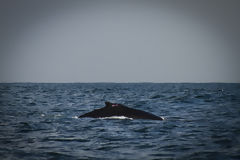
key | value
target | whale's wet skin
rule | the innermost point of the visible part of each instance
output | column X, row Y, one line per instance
column 113, row 110
column 40, row 121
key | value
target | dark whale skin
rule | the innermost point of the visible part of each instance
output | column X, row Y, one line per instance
column 113, row 109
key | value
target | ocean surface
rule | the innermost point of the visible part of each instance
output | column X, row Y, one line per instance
column 40, row 121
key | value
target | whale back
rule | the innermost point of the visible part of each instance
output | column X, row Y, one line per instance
column 113, row 109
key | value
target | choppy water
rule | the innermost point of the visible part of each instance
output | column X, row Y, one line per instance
column 39, row 121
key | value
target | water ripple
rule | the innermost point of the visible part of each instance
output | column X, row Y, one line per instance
column 39, row 121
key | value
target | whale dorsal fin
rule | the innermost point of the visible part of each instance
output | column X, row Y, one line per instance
column 108, row 104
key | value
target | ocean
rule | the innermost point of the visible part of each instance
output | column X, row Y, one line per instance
column 40, row 121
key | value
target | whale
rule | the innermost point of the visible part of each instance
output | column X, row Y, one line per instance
column 119, row 110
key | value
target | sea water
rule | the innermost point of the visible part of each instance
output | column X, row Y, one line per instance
column 40, row 121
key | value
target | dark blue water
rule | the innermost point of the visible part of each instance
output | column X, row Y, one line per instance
column 39, row 121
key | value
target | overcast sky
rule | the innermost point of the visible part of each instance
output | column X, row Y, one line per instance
column 119, row 41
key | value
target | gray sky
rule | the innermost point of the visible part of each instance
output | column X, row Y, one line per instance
column 119, row 41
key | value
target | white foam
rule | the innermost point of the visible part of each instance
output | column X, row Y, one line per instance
column 75, row 117
column 116, row 117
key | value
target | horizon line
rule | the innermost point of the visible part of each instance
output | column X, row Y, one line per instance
column 115, row 82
